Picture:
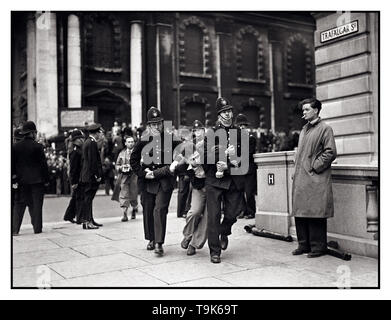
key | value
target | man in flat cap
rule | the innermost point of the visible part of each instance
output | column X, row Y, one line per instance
column 91, row 174
column 156, row 179
column 223, row 187
column 30, row 171
column 75, row 206
column 312, row 194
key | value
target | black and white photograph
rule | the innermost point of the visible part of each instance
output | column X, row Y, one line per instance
column 199, row 149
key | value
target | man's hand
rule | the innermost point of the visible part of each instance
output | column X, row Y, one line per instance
column 173, row 165
column 221, row 166
column 98, row 179
column 219, row 174
column 15, row 185
column 230, row 151
column 74, row 186
column 149, row 175
column 235, row 163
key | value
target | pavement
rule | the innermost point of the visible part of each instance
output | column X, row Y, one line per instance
column 115, row 255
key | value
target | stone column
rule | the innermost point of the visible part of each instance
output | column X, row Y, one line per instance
column 136, row 64
column 346, row 82
column 31, row 57
column 46, row 74
column 74, row 62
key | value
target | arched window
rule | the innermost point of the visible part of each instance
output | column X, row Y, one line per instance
column 102, row 44
column 250, row 56
column 194, row 50
column 298, row 63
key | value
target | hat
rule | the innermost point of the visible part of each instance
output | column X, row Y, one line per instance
column 18, row 133
column 222, row 104
column 94, row 127
column 241, row 119
column 154, row 115
column 197, row 124
column 75, row 134
column 28, row 126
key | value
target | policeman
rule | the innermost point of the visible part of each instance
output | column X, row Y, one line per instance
column 155, row 179
column 91, row 174
column 76, row 203
column 250, row 188
column 222, row 187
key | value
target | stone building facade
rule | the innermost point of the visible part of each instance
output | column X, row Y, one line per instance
column 74, row 67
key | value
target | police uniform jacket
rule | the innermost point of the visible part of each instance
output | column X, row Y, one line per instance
column 210, row 169
column 163, row 177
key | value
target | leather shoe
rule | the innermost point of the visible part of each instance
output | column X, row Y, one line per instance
column 316, row 254
column 191, row 251
column 185, row 243
column 134, row 211
column 223, row 242
column 151, row 245
column 124, row 218
column 89, row 226
column 70, row 220
column 241, row 215
column 159, row 250
column 215, row 259
column 298, row 252
column 96, row 224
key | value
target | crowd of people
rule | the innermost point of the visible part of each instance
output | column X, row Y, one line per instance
column 214, row 169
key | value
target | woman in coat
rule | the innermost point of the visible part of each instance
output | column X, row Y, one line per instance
column 312, row 185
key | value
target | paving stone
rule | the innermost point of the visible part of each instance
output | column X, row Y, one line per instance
column 186, row 270
column 78, row 240
column 32, row 277
column 202, row 283
column 33, row 245
column 26, row 235
column 368, row 280
column 276, row 276
column 35, row 258
column 95, row 265
column 95, row 250
column 125, row 278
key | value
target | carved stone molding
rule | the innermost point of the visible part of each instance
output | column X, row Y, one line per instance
column 260, row 55
column 116, row 38
column 205, row 47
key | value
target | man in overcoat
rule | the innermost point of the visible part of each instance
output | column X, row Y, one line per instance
column 156, row 179
column 91, row 174
column 74, row 209
column 30, row 171
column 312, row 188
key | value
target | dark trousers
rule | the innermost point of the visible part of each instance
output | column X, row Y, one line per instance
column 184, row 196
column 312, row 234
column 155, row 209
column 248, row 199
column 75, row 206
column 232, row 203
column 109, row 184
column 31, row 196
column 90, row 190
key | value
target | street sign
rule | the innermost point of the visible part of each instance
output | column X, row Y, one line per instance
column 339, row 31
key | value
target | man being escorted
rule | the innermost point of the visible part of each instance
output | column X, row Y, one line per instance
column 312, row 189
column 91, row 174
column 156, row 179
column 29, row 167
column 223, row 187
